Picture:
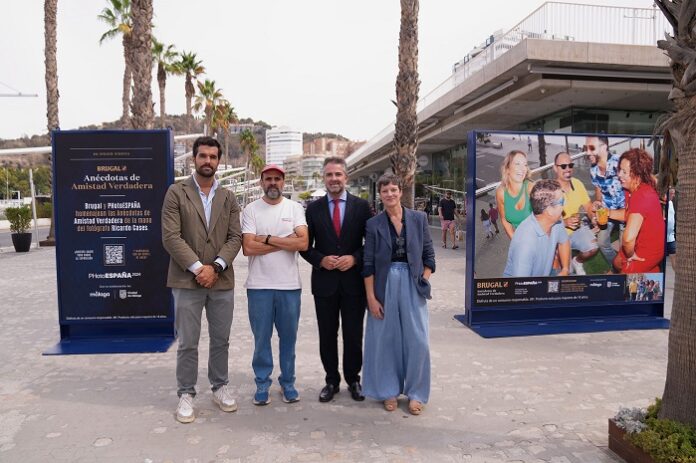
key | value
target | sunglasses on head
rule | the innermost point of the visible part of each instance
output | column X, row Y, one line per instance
column 587, row 148
column 566, row 166
column 560, row 202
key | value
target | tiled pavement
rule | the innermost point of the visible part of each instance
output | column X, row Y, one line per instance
column 530, row 399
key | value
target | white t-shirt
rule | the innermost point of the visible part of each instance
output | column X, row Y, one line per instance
column 277, row 270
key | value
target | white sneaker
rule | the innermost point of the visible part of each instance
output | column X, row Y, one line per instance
column 222, row 397
column 578, row 268
column 184, row 411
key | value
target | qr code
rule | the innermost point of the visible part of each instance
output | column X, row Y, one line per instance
column 553, row 286
column 114, row 254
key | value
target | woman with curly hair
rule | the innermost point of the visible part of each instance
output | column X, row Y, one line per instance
column 643, row 241
column 512, row 196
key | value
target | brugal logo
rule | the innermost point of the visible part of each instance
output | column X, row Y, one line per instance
column 491, row 284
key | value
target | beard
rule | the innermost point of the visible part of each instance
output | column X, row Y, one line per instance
column 334, row 188
column 205, row 171
column 272, row 192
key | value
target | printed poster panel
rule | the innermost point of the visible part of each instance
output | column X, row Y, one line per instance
column 566, row 219
column 109, row 187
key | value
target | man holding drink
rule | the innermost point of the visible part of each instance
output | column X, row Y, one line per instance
column 609, row 194
column 582, row 238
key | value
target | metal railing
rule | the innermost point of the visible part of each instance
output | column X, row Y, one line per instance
column 565, row 22
column 551, row 21
column 47, row 149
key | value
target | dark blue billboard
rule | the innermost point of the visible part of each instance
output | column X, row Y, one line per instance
column 108, row 188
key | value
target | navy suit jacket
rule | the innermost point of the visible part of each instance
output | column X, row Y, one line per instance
column 378, row 251
column 324, row 242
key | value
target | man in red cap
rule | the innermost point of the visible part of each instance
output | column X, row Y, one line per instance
column 274, row 229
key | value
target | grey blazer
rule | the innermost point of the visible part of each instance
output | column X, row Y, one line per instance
column 378, row 251
column 187, row 239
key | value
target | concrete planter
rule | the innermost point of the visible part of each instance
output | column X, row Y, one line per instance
column 625, row 449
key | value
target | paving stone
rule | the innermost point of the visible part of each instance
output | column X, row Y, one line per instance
column 527, row 399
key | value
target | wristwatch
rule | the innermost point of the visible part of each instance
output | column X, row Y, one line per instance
column 267, row 238
column 217, row 267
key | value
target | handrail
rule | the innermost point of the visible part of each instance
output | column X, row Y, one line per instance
column 47, row 149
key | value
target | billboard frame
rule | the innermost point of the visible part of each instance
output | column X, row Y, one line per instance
column 548, row 318
column 111, row 335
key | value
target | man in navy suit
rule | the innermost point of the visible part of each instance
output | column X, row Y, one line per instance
column 336, row 225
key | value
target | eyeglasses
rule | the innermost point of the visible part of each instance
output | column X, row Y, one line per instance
column 566, row 166
column 560, row 202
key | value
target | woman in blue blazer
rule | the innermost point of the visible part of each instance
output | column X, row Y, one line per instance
column 398, row 260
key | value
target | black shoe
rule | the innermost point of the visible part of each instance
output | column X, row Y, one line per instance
column 326, row 394
column 356, row 391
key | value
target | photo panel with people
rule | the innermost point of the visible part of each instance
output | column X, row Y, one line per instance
column 580, row 211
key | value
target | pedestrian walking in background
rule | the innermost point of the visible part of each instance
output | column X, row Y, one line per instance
column 486, row 222
column 446, row 212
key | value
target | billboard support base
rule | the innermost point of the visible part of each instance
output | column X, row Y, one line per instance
column 111, row 345
column 588, row 325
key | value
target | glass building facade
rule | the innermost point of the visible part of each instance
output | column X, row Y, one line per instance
column 594, row 120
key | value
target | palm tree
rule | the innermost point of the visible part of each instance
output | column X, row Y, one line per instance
column 316, row 177
column 248, row 143
column 403, row 159
column 165, row 57
column 249, row 146
column 52, row 95
column 207, row 100
column 679, row 398
column 223, row 117
column 190, row 66
column 141, row 43
column 118, row 18
column 256, row 163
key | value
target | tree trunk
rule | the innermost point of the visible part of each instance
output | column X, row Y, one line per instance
column 679, row 398
column 403, row 160
column 143, row 114
column 52, row 95
column 190, row 91
column 162, row 83
column 542, row 154
column 127, row 76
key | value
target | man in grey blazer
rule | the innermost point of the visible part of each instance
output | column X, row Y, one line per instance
column 201, row 231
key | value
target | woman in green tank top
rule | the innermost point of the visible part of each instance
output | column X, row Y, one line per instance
column 512, row 195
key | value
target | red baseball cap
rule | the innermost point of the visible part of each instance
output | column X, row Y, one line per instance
column 273, row 167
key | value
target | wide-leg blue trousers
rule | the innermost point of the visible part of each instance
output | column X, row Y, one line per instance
column 397, row 352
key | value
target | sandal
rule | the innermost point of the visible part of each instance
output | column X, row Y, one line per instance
column 455, row 247
column 390, row 404
column 444, row 245
column 415, row 407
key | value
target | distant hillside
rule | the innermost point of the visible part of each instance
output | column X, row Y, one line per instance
column 313, row 136
column 176, row 122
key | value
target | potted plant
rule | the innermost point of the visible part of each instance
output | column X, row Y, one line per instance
column 20, row 218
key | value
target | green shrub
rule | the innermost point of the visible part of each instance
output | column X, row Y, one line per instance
column 666, row 441
column 43, row 210
column 19, row 217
